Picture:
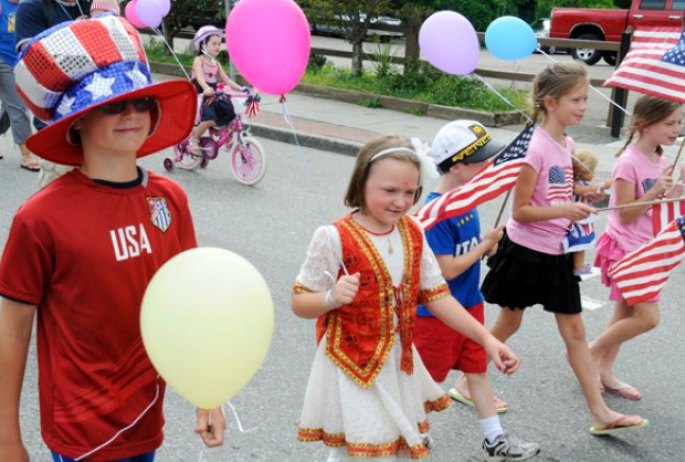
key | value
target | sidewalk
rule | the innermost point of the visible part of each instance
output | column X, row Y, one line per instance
column 343, row 128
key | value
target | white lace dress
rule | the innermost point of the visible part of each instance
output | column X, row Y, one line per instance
column 389, row 418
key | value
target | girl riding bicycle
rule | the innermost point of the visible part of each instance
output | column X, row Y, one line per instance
column 206, row 72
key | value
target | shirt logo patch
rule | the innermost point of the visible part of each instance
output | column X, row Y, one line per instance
column 159, row 213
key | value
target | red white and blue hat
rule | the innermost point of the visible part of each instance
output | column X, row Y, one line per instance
column 76, row 66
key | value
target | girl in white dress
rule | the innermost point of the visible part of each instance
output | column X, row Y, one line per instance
column 368, row 392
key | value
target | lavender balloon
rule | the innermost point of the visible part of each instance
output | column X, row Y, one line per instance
column 149, row 12
column 449, row 42
column 165, row 6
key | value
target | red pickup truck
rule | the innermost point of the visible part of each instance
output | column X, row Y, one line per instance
column 604, row 24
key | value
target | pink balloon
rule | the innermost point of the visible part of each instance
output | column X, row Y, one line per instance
column 449, row 42
column 130, row 13
column 149, row 12
column 269, row 42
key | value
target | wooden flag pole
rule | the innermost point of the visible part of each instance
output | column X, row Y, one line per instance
column 675, row 164
column 640, row 204
column 501, row 211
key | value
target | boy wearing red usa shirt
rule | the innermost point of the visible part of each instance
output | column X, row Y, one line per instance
column 81, row 252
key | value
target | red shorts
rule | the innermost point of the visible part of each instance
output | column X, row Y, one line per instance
column 443, row 349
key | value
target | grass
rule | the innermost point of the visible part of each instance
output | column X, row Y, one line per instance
column 425, row 84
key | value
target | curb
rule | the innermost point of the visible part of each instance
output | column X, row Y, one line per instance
column 348, row 148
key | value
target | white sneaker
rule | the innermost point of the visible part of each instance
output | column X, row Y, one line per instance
column 507, row 448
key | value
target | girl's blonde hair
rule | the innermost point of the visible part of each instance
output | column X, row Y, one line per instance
column 589, row 162
column 355, row 190
column 648, row 110
column 555, row 81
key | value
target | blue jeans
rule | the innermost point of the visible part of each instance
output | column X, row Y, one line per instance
column 149, row 457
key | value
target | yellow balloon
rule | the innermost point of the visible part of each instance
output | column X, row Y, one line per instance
column 207, row 320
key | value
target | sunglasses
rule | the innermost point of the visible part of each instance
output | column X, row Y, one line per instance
column 140, row 105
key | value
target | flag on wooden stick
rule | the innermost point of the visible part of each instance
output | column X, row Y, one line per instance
column 498, row 176
column 655, row 64
column 664, row 214
column 642, row 273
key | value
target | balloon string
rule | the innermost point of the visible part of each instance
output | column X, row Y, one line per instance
column 160, row 35
column 116, row 435
column 237, row 419
column 596, row 90
column 502, row 97
column 312, row 182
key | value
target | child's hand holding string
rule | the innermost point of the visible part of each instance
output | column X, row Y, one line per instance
column 211, row 426
column 343, row 292
column 505, row 359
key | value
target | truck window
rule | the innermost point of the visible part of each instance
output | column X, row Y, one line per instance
column 653, row 5
column 678, row 5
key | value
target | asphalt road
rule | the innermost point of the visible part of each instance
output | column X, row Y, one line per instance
column 271, row 225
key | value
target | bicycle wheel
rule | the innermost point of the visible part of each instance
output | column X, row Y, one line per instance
column 248, row 161
column 184, row 158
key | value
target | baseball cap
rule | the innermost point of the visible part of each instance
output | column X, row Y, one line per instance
column 464, row 141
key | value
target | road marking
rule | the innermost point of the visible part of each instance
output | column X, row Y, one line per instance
column 590, row 304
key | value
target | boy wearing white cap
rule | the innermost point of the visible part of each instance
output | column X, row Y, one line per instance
column 461, row 149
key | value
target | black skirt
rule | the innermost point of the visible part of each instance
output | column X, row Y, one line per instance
column 520, row 277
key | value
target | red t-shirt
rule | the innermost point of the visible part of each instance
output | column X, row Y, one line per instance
column 84, row 254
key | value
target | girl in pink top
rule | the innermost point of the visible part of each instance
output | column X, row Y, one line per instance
column 206, row 74
column 642, row 174
column 531, row 267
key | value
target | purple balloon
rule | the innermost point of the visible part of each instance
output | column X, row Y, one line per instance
column 165, row 6
column 130, row 13
column 449, row 42
column 149, row 12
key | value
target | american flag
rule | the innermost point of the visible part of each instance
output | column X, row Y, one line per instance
column 663, row 214
column 497, row 176
column 560, row 184
column 642, row 273
column 655, row 64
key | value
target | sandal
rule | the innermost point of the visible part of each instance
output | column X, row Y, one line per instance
column 29, row 163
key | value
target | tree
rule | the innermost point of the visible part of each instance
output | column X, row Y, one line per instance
column 185, row 12
column 353, row 17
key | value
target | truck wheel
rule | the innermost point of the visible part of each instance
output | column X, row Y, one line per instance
column 609, row 57
column 587, row 55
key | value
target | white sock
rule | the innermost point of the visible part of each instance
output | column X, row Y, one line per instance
column 492, row 428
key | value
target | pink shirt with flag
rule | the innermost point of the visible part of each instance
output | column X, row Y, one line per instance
column 554, row 186
column 636, row 168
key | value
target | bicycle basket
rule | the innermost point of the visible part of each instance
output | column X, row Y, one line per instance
column 245, row 105
column 239, row 104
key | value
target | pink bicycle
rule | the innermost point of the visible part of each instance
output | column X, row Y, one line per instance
column 248, row 161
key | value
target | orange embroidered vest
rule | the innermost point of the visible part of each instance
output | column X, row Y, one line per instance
column 361, row 335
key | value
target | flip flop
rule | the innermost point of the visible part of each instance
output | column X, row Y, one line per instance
column 457, row 396
column 31, row 166
column 615, row 427
column 621, row 392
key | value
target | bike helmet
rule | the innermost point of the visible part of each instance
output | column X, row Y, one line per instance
column 204, row 32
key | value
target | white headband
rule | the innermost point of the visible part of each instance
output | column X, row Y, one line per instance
column 421, row 150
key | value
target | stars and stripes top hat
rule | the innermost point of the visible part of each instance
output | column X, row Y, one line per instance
column 77, row 66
